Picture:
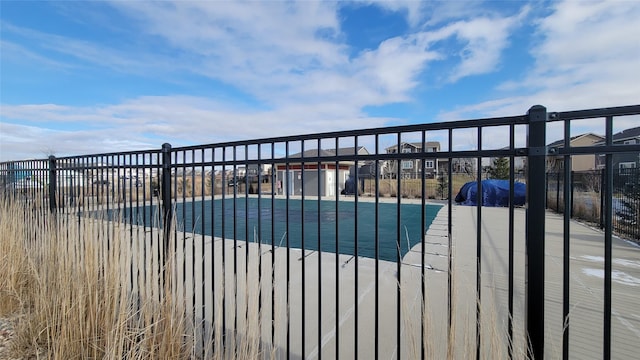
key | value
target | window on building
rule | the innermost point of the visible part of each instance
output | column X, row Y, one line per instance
column 428, row 164
column 407, row 164
column 626, row 168
column 406, row 150
column 630, row 142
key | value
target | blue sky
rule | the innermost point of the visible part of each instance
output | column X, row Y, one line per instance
column 90, row 77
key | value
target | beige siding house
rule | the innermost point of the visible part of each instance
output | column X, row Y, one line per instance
column 578, row 162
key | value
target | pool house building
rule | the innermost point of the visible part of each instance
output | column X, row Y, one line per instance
column 316, row 174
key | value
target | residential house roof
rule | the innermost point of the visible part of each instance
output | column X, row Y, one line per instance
column 626, row 134
column 330, row 152
column 560, row 143
column 417, row 145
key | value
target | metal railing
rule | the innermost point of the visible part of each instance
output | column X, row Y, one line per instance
column 588, row 198
column 286, row 241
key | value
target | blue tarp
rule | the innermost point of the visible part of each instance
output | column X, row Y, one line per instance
column 494, row 193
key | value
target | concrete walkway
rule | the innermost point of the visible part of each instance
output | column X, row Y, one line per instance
column 314, row 298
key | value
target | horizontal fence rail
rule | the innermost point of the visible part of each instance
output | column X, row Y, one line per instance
column 420, row 241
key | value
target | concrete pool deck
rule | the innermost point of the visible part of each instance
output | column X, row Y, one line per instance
column 253, row 271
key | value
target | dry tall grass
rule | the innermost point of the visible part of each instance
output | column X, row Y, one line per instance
column 73, row 300
column 70, row 297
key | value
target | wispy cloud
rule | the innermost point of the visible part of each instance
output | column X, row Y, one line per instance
column 485, row 39
column 142, row 121
column 587, row 55
column 11, row 51
column 24, row 141
column 295, row 72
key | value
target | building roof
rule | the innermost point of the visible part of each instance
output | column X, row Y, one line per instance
column 560, row 143
column 329, row 152
column 417, row 145
column 627, row 134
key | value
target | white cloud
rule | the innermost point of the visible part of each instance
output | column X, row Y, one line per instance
column 393, row 67
column 587, row 57
column 16, row 52
column 282, row 53
column 146, row 122
column 484, row 39
column 18, row 141
column 292, row 60
column 415, row 10
column 256, row 46
column 278, row 51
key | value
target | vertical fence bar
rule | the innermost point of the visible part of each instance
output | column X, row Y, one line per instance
column 355, row 249
column 203, row 221
column 449, row 238
column 52, row 184
column 564, row 206
column 608, row 218
column 568, row 196
column 479, row 246
column 423, row 196
column 223, row 281
column 535, row 231
column 303, row 334
column 247, row 184
column 602, row 195
column 573, row 189
column 167, row 209
column 260, row 167
column 321, row 191
column 211, row 336
column 337, row 248
column 511, row 239
column 398, row 251
column 273, row 240
column 193, row 237
column 290, row 185
column 376, row 331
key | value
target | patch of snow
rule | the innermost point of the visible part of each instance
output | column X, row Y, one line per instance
column 620, row 262
column 617, row 276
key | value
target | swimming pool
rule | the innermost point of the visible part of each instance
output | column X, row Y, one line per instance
column 320, row 224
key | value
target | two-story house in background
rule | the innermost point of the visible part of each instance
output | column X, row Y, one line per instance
column 555, row 163
column 412, row 168
column 622, row 161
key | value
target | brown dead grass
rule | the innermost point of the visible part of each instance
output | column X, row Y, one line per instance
column 74, row 301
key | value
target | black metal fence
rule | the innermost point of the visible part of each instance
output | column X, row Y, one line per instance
column 587, row 198
column 282, row 256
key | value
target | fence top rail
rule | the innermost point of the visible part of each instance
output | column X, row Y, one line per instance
column 595, row 113
column 449, row 125
column 97, row 156
column 124, row 154
column 439, row 126
column 597, row 149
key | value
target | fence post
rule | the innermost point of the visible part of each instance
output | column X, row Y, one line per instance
column 535, row 230
column 167, row 208
column 53, row 184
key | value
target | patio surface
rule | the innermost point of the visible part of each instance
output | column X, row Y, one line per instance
column 259, row 272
